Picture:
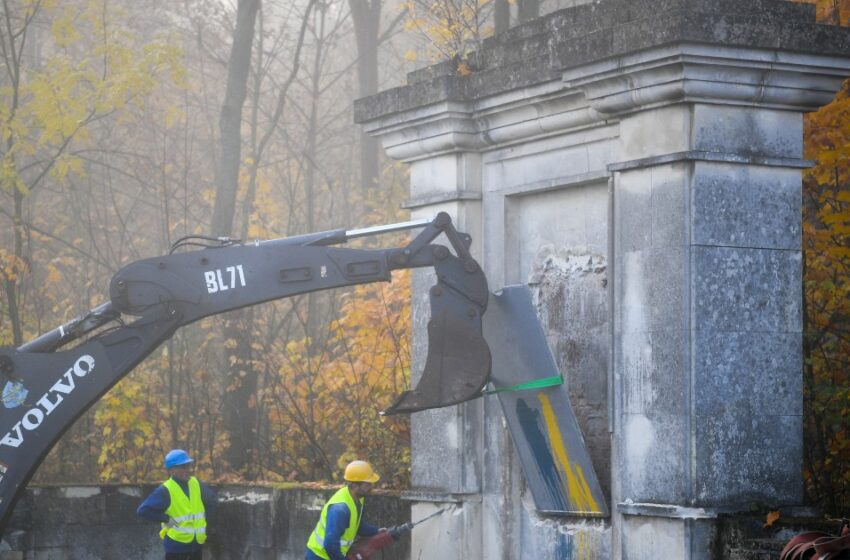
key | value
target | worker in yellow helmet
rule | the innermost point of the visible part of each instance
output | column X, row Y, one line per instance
column 342, row 517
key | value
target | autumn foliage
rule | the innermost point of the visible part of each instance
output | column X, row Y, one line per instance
column 826, row 247
column 108, row 114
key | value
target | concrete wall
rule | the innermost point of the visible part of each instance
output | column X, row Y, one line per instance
column 638, row 164
column 251, row 522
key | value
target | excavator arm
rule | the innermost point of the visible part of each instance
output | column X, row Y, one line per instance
column 45, row 388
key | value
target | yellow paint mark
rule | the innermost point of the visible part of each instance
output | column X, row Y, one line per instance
column 584, row 546
column 578, row 490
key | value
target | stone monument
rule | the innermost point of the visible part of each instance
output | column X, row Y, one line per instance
column 638, row 164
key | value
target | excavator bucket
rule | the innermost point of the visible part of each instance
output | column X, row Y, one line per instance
column 457, row 366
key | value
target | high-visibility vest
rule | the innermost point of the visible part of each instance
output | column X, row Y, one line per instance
column 317, row 538
column 186, row 511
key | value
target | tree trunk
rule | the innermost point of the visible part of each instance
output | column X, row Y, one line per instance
column 366, row 15
column 241, row 379
column 230, row 121
column 11, row 282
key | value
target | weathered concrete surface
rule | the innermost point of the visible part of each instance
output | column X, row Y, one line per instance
column 541, row 49
column 251, row 522
column 637, row 162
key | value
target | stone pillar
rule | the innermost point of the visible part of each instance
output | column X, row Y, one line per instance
column 708, row 322
column 638, row 164
column 444, row 176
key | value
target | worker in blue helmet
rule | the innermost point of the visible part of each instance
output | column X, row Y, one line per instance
column 181, row 505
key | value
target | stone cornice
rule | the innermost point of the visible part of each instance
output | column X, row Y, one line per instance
column 440, row 198
column 608, row 30
column 600, row 93
column 713, row 157
column 453, row 126
column 697, row 73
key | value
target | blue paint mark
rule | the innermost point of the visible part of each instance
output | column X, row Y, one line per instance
column 564, row 547
column 532, row 427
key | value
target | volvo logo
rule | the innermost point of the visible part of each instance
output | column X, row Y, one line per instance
column 48, row 402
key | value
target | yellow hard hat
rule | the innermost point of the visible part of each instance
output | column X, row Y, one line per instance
column 360, row 471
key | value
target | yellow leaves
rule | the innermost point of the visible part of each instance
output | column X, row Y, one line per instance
column 10, row 180
column 127, row 417
column 840, row 252
column 67, row 164
column 11, row 266
column 772, row 517
column 333, row 391
column 836, row 12
column 53, row 275
column 64, row 32
column 826, row 240
column 453, row 28
column 410, row 56
column 89, row 67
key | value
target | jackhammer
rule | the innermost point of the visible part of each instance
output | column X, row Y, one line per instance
column 364, row 548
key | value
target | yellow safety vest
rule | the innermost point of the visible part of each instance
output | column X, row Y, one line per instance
column 317, row 539
column 187, row 512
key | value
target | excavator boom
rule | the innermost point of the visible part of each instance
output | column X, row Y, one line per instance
column 46, row 388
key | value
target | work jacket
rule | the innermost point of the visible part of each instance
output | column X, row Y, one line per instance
column 187, row 514
column 316, row 544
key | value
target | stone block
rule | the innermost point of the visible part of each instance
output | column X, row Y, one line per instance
column 807, row 36
column 438, row 431
column 653, row 289
column 747, row 131
column 244, row 516
column 50, row 554
column 576, row 51
column 654, row 132
column 546, row 538
column 451, row 437
column 667, row 289
column 669, row 214
column 654, row 366
column 632, row 207
column 653, row 458
column 746, row 206
column 640, row 9
column 747, row 457
column 644, row 537
column 565, row 162
column 759, row 369
column 455, row 534
column 120, row 505
column 739, row 289
column 446, row 174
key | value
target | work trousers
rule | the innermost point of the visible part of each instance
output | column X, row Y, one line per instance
column 183, row 555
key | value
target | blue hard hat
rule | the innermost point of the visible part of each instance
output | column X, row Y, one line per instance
column 177, row 457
